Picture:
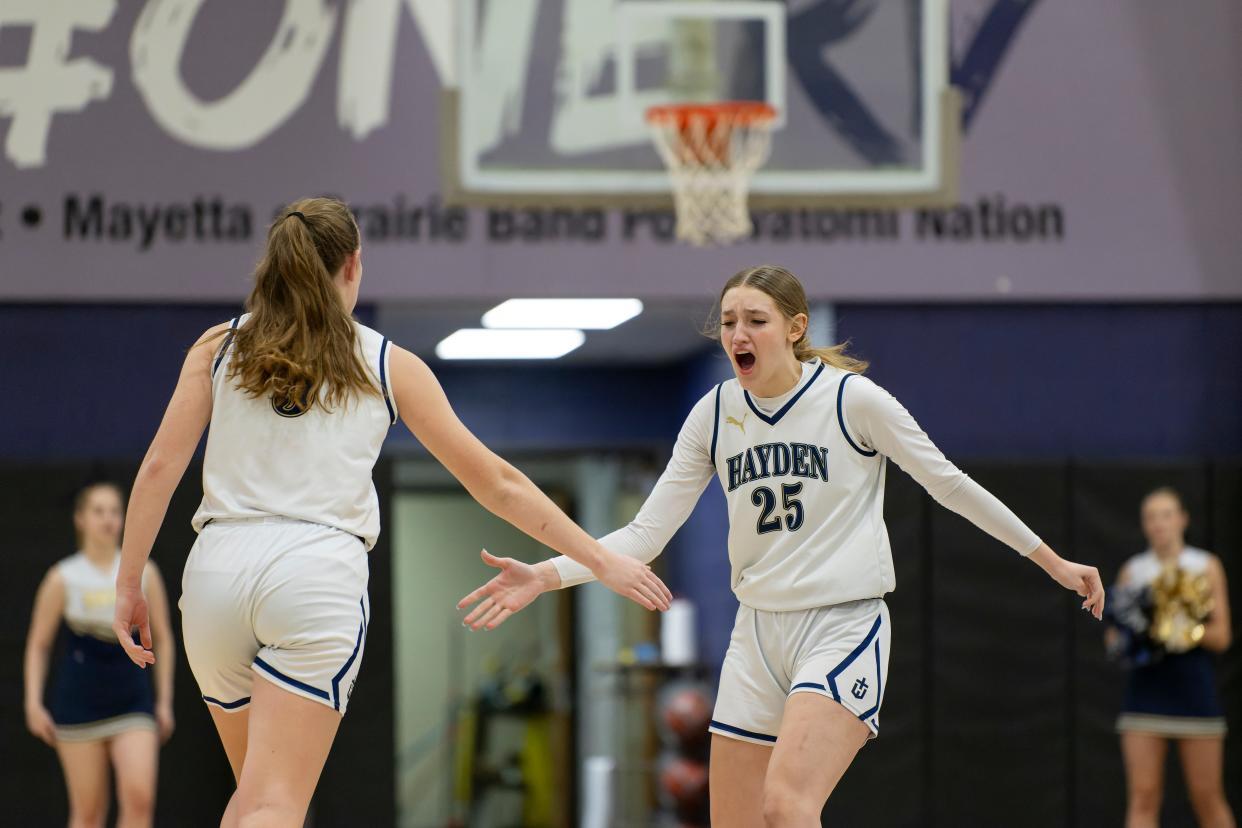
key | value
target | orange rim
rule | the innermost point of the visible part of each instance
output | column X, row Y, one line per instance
column 743, row 113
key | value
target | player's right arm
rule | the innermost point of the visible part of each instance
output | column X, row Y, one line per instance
column 506, row 492
column 48, row 607
column 665, row 510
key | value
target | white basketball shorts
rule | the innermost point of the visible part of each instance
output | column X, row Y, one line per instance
column 279, row 598
column 839, row 651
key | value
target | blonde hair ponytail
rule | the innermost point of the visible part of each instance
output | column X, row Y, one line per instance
column 834, row 355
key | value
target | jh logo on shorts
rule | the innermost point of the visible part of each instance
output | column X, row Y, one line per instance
column 857, row 682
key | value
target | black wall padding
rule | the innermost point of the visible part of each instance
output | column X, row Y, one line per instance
column 1000, row 678
column 1225, row 500
column 1000, row 706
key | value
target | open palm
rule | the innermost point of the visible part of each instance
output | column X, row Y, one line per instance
column 516, row 586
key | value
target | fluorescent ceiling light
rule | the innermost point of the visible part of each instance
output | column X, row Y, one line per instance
column 478, row 343
column 589, row 314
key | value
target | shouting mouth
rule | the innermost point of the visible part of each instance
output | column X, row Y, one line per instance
column 745, row 361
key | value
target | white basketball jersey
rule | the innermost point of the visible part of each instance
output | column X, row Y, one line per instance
column 806, row 525
column 90, row 595
column 268, row 457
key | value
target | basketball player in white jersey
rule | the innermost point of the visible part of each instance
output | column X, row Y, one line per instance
column 274, row 606
column 799, row 442
column 100, row 711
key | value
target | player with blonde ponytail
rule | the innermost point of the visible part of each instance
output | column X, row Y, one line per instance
column 799, row 442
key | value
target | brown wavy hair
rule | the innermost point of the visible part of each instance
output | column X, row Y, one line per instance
column 299, row 344
column 790, row 298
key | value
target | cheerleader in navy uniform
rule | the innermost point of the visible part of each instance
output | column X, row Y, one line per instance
column 100, row 710
column 1175, row 698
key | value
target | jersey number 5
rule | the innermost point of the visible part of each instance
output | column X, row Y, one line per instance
column 765, row 499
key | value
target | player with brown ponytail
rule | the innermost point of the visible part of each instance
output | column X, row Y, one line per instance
column 274, row 606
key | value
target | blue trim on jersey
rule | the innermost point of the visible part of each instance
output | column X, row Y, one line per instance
column 775, row 418
column 731, row 729
column 228, row 340
column 849, row 659
column 841, row 421
column 716, row 424
column 336, row 680
column 292, row 682
column 392, row 412
column 811, row 684
column 233, row 705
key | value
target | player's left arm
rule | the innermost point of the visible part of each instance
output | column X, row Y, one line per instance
column 1218, row 630
column 165, row 646
column 874, row 419
column 184, row 421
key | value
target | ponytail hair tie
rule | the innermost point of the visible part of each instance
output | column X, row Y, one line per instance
column 299, row 215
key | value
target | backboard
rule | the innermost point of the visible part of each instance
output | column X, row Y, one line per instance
column 547, row 100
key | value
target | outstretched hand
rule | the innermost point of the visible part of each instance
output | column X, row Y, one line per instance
column 519, row 583
column 513, row 588
column 131, row 611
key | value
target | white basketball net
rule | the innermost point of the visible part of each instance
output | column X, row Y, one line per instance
column 712, row 152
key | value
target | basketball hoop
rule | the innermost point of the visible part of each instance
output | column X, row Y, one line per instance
column 712, row 151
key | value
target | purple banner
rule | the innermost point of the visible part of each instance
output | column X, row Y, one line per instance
column 147, row 146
